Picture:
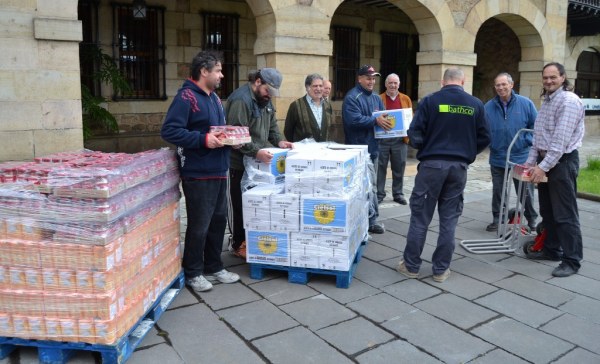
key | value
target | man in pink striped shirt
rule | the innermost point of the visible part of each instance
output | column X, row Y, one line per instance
column 559, row 129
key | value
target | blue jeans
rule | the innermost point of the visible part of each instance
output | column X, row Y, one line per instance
column 391, row 150
column 558, row 207
column 206, row 206
column 497, row 186
column 438, row 183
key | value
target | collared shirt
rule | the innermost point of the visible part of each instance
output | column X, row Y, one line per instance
column 559, row 128
column 317, row 110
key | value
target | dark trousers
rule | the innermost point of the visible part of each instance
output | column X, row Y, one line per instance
column 558, row 207
column 373, row 204
column 392, row 150
column 206, row 206
column 438, row 183
column 497, row 187
column 236, row 219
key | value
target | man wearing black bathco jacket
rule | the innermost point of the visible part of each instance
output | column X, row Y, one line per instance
column 449, row 129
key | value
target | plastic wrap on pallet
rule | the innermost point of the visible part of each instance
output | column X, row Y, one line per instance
column 325, row 197
column 88, row 240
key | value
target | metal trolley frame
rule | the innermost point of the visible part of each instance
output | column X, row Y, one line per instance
column 511, row 234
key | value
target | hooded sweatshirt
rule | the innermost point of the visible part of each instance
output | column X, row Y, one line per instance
column 187, row 124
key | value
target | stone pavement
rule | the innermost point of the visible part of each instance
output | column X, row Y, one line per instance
column 494, row 308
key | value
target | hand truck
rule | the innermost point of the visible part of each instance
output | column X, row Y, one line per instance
column 512, row 233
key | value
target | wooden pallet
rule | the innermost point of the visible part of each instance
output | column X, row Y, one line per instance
column 54, row 352
column 302, row 275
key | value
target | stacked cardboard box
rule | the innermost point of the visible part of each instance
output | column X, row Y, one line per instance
column 86, row 245
column 318, row 217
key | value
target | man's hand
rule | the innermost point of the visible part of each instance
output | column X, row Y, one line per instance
column 537, row 174
column 285, row 145
column 383, row 122
column 264, row 156
column 213, row 141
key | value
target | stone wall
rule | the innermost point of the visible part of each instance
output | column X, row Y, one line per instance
column 39, row 78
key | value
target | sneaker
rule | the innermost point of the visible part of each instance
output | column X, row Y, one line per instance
column 442, row 277
column 492, row 227
column 563, row 270
column 224, row 276
column 402, row 269
column 377, row 228
column 239, row 252
column 199, row 283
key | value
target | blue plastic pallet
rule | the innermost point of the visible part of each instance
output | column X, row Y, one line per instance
column 302, row 275
column 54, row 352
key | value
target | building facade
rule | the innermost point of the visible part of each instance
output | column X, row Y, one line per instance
column 44, row 63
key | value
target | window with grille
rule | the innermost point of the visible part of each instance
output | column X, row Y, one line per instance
column 346, row 60
column 221, row 33
column 139, row 50
column 87, row 11
column 399, row 56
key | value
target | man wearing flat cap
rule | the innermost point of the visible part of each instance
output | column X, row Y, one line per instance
column 250, row 105
column 359, row 123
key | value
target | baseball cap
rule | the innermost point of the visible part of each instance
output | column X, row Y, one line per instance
column 272, row 78
column 367, row 70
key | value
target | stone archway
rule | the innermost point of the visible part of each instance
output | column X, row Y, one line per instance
column 529, row 25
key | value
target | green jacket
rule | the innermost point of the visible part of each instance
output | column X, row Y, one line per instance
column 243, row 110
column 300, row 122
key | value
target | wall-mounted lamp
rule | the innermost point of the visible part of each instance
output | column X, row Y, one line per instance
column 139, row 9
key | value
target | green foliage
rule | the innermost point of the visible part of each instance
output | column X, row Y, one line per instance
column 588, row 180
column 95, row 115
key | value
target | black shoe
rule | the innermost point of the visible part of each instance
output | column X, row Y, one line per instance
column 541, row 255
column 379, row 201
column 492, row 227
column 376, row 228
column 400, row 200
column 563, row 270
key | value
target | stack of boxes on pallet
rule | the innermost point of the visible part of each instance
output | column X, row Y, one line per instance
column 88, row 241
column 308, row 208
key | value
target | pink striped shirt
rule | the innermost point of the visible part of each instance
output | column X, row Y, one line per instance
column 559, row 128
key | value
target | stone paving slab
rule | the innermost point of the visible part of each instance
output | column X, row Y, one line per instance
column 411, row 290
column 578, row 355
column 536, row 290
column 376, row 274
column 497, row 356
column 456, row 310
column 484, row 271
column 257, row 319
column 377, row 252
column 579, row 284
column 228, row 295
column 522, row 340
column 438, row 338
column 317, row 312
column 355, row 335
column 381, row 307
column 522, row 309
column 162, row 353
column 359, row 290
column 279, row 291
column 202, row 332
column 397, row 351
column 584, row 307
column 465, row 287
column 576, row 331
column 301, row 347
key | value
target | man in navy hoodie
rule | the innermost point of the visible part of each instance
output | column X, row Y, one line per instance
column 203, row 165
column 449, row 129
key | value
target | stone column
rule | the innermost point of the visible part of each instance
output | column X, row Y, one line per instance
column 433, row 64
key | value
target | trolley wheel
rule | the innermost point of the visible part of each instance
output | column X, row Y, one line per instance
column 527, row 246
column 539, row 228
